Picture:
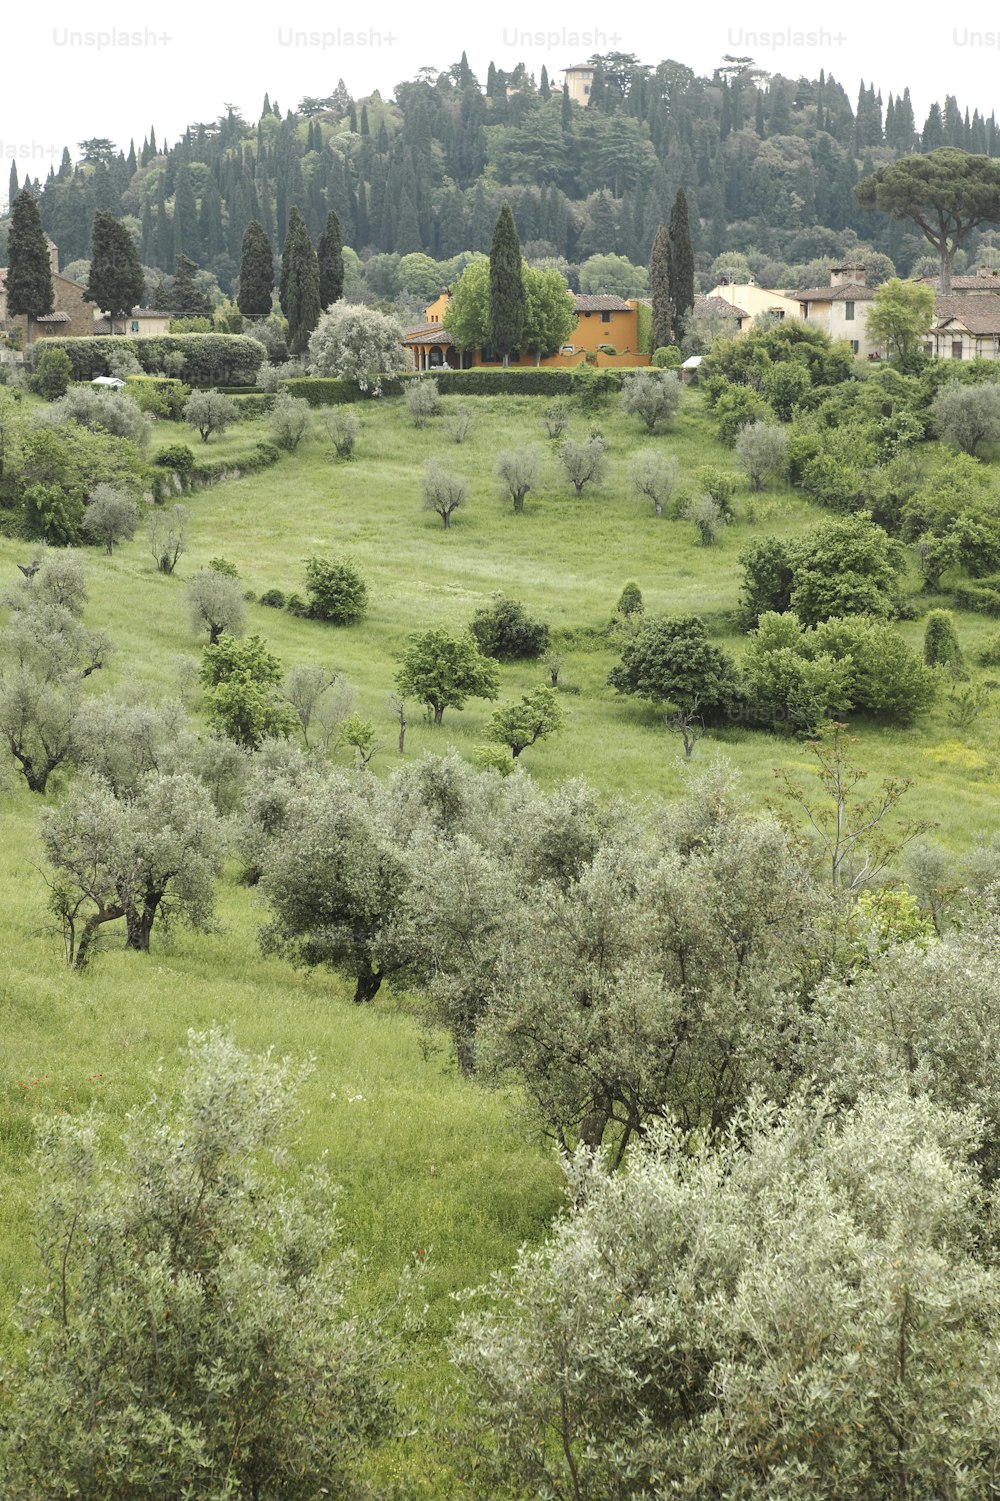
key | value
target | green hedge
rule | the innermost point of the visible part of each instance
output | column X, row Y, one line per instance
column 158, row 394
column 261, row 456
column 326, row 391
column 209, row 359
column 983, row 596
column 252, row 404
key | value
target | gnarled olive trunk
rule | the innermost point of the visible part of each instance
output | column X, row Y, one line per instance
column 368, row 986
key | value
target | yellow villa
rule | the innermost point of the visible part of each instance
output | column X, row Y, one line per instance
column 601, row 319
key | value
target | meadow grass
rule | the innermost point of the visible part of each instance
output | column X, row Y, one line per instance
column 428, row 1162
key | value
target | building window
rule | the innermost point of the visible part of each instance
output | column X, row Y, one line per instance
column 928, row 348
column 849, row 311
column 605, row 317
column 855, row 346
column 956, row 349
column 586, row 88
column 135, row 326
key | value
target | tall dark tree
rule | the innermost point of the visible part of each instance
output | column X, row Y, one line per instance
column 29, row 272
column 681, row 262
column 506, row 286
column 256, row 273
column 187, row 300
column 330, row 255
column 659, row 286
column 116, row 281
column 299, row 288
column 13, row 187
column 187, row 239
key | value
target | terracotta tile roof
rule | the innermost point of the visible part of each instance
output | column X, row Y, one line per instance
column 599, row 302
column 981, row 281
column 427, row 333
column 710, row 304
column 978, row 314
column 53, row 318
column 845, row 292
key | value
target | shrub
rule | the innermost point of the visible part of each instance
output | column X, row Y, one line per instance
column 630, row 601
column 461, row 424
column 941, row 645
column 100, row 412
column 667, row 357
column 177, row 457
column 720, row 484
column 342, row 430
column 273, row 598
column 736, row 408
column 885, row 677
column 505, row 631
column 336, row 590
column 53, row 373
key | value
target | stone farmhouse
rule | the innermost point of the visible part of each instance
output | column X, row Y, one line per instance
column 71, row 317
column 841, row 309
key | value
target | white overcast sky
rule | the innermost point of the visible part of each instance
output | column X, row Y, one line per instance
column 125, row 67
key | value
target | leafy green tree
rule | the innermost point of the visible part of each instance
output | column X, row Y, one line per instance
column 946, row 193
column 467, row 316
column 614, row 275
column 670, row 660
column 774, row 1310
column 358, row 344
column 330, row 259
column 257, row 1382
column 885, row 676
column 941, row 644
column 900, row 316
column 517, row 469
column 240, row 677
column 762, row 452
column 506, row 632
column 336, row 590
column 549, row 315
column 659, row 286
column 155, row 854
column 787, row 683
column 299, row 286
column 534, row 717
column 507, row 297
column 216, row 604
column 652, row 397
column 28, row 283
column 210, row 412
column 966, row 417
column 256, row 272
column 681, row 262
column 845, row 567
column 112, row 516
column 443, row 671
column 116, row 282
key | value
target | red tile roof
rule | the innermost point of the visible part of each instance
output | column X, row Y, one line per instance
column 599, row 302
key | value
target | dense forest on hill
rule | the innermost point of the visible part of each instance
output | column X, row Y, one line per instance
column 768, row 163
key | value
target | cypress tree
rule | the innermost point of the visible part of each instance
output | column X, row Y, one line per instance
column 299, row 287
column 186, row 236
column 566, row 115
column 330, row 255
column 29, row 271
column 116, row 281
column 941, row 645
column 659, row 286
column 13, row 187
column 681, row 262
column 506, row 286
column 544, row 87
column 186, row 298
column 256, row 272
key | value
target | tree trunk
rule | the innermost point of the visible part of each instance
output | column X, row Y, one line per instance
column 369, row 984
column 947, row 257
column 139, row 925
column 438, row 713
column 594, row 1124
column 518, row 504
column 465, row 1051
column 446, row 518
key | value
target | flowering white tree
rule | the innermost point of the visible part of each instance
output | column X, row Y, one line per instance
column 359, row 344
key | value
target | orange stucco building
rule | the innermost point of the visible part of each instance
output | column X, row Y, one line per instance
column 601, row 318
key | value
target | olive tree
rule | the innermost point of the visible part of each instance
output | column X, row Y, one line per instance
column 342, row 428
column 966, row 417
column 762, row 452
column 321, row 700
column 786, row 1311
column 216, row 604
column 288, row 421
column 443, row 491
column 517, row 470
column 111, row 516
column 421, row 400
column 190, row 1266
column 651, row 396
column 585, row 463
column 655, row 476
column 168, row 536
column 210, row 412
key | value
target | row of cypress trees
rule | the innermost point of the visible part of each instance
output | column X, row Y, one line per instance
column 312, row 277
column 671, row 275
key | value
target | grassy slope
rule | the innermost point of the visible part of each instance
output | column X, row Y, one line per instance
column 426, row 1160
